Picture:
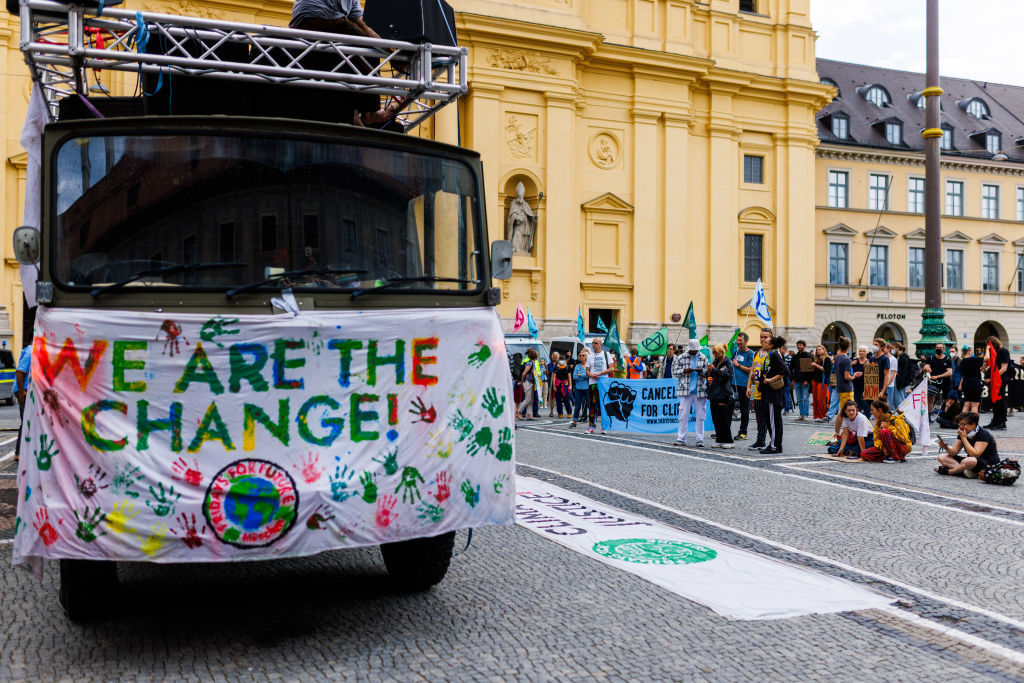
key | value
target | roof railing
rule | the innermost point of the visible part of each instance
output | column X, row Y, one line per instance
column 61, row 42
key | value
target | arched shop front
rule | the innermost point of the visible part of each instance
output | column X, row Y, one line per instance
column 891, row 332
column 835, row 330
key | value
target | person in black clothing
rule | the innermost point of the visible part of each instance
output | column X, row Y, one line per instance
column 719, row 393
column 949, row 412
column 774, row 398
column 941, row 369
column 801, row 381
column 978, row 443
column 904, row 370
column 971, row 383
column 1004, row 368
column 857, row 366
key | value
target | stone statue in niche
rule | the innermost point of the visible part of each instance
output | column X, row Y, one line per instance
column 521, row 223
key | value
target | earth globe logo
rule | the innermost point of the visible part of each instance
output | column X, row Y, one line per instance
column 251, row 503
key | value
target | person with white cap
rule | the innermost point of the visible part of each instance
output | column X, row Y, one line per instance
column 689, row 370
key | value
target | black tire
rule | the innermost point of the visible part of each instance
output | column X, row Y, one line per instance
column 88, row 589
column 419, row 563
column 9, row 401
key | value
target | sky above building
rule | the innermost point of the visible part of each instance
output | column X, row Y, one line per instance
column 976, row 38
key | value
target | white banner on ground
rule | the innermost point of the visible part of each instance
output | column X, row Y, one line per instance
column 915, row 412
column 736, row 584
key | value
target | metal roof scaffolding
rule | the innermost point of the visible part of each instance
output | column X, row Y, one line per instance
column 61, row 42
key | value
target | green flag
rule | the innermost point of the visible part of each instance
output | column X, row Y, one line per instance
column 731, row 346
column 611, row 342
column 705, row 348
column 691, row 322
column 656, row 344
column 601, row 327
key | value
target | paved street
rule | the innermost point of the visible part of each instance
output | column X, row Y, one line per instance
column 517, row 606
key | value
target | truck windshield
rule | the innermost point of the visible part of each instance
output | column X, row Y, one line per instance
column 219, row 212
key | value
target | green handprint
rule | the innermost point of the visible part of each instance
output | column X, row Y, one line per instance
column 124, row 477
column 369, row 487
column 87, row 523
column 461, row 424
column 214, row 327
column 164, row 501
column 504, row 445
column 482, row 441
column 480, row 356
column 47, row 452
column 499, row 483
column 409, row 485
column 491, row 403
column 434, row 513
column 390, row 462
column 472, row 495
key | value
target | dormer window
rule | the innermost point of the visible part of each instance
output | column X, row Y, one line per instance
column 876, row 95
column 894, row 132
column 920, row 101
column 947, row 138
column 840, row 127
column 825, row 80
column 977, row 108
column 993, row 143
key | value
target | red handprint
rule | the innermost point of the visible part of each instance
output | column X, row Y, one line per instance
column 43, row 526
column 189, row 536
column 311, row 470
column 443, row 491
column 420, row 410
column 318, row 520
column 189, row 475
column 384, row 507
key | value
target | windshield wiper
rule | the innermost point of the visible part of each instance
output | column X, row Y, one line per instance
column 277, row 278
column 163, row 270
column 405, row 280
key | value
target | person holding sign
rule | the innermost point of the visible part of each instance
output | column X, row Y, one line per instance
column 719, row 391
column 689, row 369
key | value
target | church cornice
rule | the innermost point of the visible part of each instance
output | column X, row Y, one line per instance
column 878, row 156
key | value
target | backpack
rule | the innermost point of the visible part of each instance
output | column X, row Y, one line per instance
column 1004, row 473
column 912, row 433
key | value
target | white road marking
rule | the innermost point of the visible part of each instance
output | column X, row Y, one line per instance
column 7, row 441
column 794, row 475
column 788, row 548
column 968, row 638
column 7, row 541
column 4, row 459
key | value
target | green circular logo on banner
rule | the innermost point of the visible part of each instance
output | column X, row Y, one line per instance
column 654, row 551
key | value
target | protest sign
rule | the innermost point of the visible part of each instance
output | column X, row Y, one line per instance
column 198, row 439
column 650, row 406
column 871, row 383
column 820, row 439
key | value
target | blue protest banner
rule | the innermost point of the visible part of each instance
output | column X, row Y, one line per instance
column 649, row 406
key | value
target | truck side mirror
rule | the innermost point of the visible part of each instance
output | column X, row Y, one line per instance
column 501, row 259
column 26, row 245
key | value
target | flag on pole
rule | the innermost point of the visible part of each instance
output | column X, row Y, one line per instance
column 601, row 327
column 731, row 346
column 915, row 412
column 611, row 341
column 705, row 347
column 996, row 380
column 520, row 317
column 581, row 330
column 690, row 321
column 531, row 324
column 760, row 305
column 656, row 344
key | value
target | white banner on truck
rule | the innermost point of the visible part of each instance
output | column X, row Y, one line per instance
column 198, row 439
column 737, row 584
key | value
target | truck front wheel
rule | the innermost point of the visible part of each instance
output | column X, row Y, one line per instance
column 419, row 563
column 88, row 589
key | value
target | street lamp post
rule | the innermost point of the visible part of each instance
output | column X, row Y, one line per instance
column 933, row 319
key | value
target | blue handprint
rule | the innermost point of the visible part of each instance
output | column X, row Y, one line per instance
column 339, row 483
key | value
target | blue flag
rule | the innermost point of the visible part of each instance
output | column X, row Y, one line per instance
column 531, row 324
column 760, row 305
column 601, row 327
column 581, row 330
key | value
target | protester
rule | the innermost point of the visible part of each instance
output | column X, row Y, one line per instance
column 757, row 369
column 891, row 435
column 689, row 370
column 833, row 393
column 561, row 389
column 549, row 382
column 665, row 369
column 971, row 384
column 855, row 435
column 742, row 362
column 634, row 365
column 580, row 389
column 720, row 392
column 857, row 365
column 949, row 411
column 787, row 390
column 978, row 444
column 22, row 383
column 599, row 364
column 529, row 383
column 821, row 364
column 1003, row 367
column 843, row 370
column 904, row 372
column 774, row 370
column 886, row 371
column 940, row 367
column 801, row 381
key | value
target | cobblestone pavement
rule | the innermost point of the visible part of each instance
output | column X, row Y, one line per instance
column 519, row 607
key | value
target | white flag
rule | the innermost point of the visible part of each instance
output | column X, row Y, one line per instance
column 915, row 412
column 760, row 305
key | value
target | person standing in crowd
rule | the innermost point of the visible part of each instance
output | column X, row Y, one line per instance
column 976, row 442
column 754, row 389
column 634, row 365
column 690, row 369
column 833, row 393
column 665, row 369
column 801, row 380
column 822, row 366
column 529, row 383
column 742, row 362
column 550, row 382
column 787, row 390
column 855, row 436
column 844, row 374
column 971, row 383
column 857, row 365
column 886, row 373
column 599, row 364
column 774, row 369
column 580, row 389
column 941, row 369
column 561, row 389
column 1003, row 367
column 904, row 372
column 719, row 392
column 891, row 435
column 22, row 383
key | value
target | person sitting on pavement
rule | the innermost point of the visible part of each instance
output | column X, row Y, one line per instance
column 978, row 444
column 949, row 411
column 891, row 436
column 856, row 433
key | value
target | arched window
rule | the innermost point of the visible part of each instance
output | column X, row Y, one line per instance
column 876, row 95
column 977, row 108
column 830, row 337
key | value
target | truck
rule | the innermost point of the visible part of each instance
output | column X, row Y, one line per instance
column 260, row 334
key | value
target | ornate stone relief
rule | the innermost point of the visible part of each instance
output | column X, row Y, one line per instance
column 604, row 150
column 521, row 139
column 520, row 61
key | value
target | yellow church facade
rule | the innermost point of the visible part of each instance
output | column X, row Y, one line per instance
column 665, row 147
